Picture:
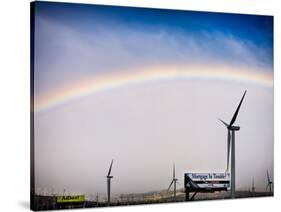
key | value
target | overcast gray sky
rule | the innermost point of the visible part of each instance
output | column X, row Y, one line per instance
column 147, row 128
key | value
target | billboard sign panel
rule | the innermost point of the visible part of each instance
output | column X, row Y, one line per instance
column 70, row 199
column 208, row 180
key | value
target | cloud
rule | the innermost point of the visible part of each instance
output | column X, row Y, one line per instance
column 69, row 52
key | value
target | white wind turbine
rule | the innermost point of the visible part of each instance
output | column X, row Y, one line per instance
column 269, row 183
column 231, row 145
column 174, row 181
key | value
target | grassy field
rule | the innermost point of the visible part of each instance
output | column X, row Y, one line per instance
column 49, row 202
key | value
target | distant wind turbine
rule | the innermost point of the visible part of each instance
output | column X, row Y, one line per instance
column 52, row 192
column 97, row 199
column 253, row 186
column 109, row 177
column 174, row 180
column 231, row 145
column 269, row 183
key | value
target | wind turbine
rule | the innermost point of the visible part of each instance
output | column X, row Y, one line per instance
column 97, row 199
column 269, row 183
column 109, row 177
column 253, row 186
column 174, row 180
column 231, row 144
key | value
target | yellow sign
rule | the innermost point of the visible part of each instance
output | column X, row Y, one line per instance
column 70, row 199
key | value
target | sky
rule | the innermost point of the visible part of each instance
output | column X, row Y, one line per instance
column 146, row 87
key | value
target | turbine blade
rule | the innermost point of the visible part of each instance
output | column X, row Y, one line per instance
column 268, row 179
column 109, row 171
column 237, row 110
column 224, row 123
column 228, row 148
column 170, row 185
column 174, row 174
column 267, row 186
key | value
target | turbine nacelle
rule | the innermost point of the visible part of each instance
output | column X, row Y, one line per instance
column 233, row 128
column 229, row 127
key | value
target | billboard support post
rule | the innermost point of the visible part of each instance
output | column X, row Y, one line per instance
column 186, row 194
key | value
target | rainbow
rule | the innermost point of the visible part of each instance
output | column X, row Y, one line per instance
column 96, row 84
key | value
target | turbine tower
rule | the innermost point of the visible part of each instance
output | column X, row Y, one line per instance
column 231, row 145
column 228, row 144
column 109, row 177
column 269, row 183
column 174, row 180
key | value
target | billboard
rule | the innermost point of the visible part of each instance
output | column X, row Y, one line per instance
column 208, row 180
column 70, row 199
column 209, row 176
